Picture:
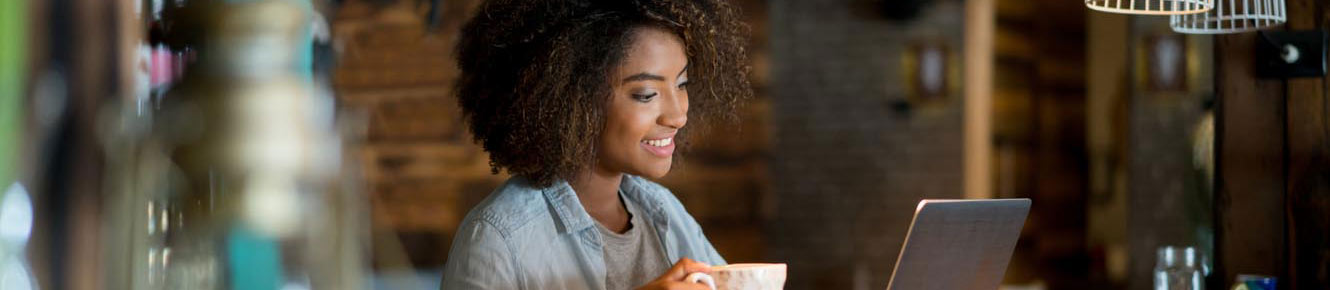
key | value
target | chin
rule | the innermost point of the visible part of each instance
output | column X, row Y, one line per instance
column 656, row 171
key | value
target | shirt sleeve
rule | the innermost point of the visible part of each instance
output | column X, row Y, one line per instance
column 708, row 252
column 479, row 259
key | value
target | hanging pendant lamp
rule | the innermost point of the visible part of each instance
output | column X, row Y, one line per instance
column 1232, row 16
column 1152, row 7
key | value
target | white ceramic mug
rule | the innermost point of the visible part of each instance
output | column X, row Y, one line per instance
column 746, row 276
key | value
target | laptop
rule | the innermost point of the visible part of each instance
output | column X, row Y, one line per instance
column 959, row 244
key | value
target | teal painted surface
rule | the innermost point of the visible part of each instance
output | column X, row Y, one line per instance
column 255, row 260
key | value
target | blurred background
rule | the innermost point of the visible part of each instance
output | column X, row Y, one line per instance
column 314, row 144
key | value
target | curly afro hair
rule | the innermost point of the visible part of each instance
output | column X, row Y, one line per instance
column 535, row 81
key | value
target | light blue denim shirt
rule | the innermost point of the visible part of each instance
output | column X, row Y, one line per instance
column 527, row 237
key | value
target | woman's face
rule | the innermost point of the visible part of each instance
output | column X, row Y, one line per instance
column 648, row 105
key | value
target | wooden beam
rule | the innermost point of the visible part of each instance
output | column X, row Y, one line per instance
column 1308, row 141
column 1107, row 93
column 1249, row 196
column 980, row 25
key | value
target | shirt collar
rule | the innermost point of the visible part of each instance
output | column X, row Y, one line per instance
column 572, row 217
column 648, row 201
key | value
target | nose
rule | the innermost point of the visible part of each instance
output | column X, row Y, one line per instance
column 674, row 113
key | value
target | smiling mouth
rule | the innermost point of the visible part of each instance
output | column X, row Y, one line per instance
column 659, row 142
column 663, row 148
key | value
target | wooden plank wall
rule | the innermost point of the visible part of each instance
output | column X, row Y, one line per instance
column 1249, row 201
column 1308, row 172
column 1273, row 190
column 424, row 173
column 1039, row 136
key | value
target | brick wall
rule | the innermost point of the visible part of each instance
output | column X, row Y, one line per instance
column 849, row 162
column 1168, row 202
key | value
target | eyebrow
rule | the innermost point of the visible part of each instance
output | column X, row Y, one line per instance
column 643, row 77
column 651, row 77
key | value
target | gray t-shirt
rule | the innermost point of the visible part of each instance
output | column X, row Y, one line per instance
column 634, row 257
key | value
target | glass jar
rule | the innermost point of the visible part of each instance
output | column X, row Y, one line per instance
column 1179, row 268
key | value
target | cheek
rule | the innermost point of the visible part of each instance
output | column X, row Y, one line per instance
column 626, row 125
column 632, row 122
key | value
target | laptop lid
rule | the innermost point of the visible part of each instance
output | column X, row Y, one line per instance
column 959, row 244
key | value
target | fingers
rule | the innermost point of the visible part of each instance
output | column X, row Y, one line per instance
column 691, row 266
column 684, row 267
column 674, row 277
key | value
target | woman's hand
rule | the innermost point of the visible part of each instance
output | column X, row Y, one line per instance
column 673, row 278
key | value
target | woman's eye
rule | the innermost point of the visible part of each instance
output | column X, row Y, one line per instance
column 644, row 97
column 684, row 85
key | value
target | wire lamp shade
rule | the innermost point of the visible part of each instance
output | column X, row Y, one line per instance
column 1231, row 16
column 1152, row 7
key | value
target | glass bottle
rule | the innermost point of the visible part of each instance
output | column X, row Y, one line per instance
column 238, row 183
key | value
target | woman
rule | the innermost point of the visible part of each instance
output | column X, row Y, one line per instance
column 579, row 100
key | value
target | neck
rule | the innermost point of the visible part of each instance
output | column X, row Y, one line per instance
column 598, row 191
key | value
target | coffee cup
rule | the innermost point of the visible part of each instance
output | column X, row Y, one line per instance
column 744, row 276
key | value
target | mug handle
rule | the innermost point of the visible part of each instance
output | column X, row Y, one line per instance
column 699, row 277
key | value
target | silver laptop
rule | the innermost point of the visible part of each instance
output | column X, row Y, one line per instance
column 959, row 244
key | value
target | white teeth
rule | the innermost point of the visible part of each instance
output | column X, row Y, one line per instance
column 659, row 142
